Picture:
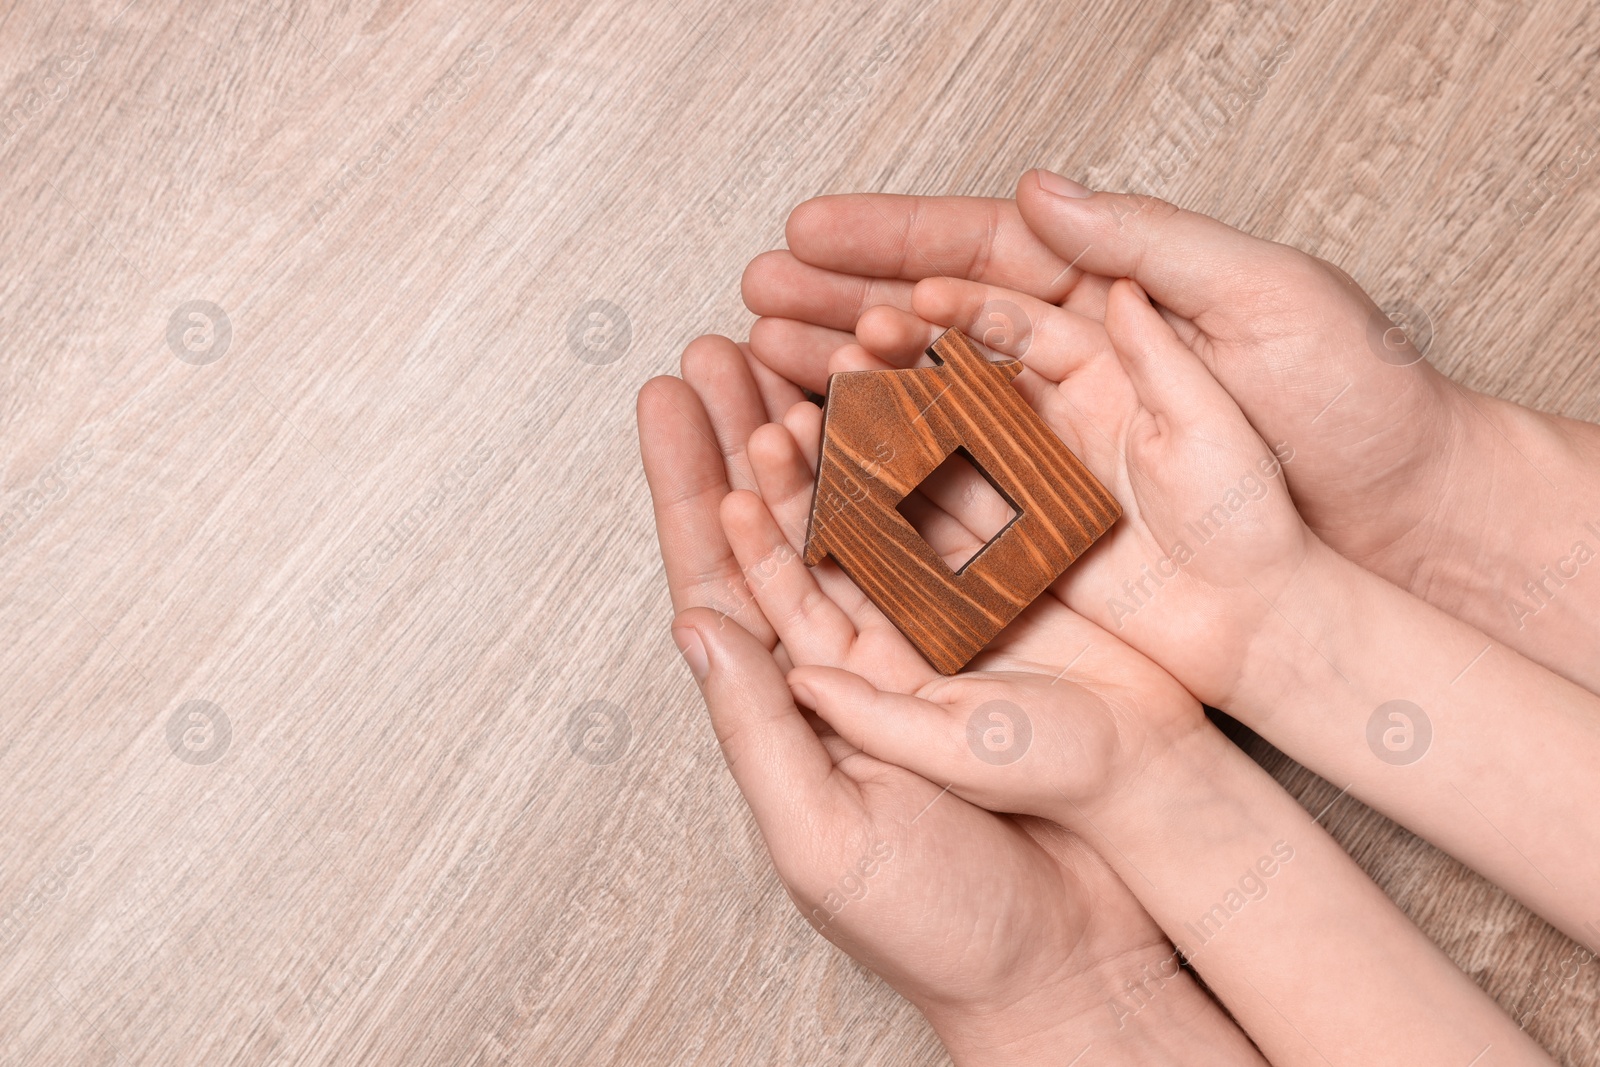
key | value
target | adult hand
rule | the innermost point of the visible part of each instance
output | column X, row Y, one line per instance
column 1011, row 936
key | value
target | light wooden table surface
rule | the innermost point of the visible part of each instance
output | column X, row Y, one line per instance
column 323, row 538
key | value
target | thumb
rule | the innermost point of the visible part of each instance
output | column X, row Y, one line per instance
column 1188, row 262
column 892, row 727
column 776, row 758
column 1167, row 375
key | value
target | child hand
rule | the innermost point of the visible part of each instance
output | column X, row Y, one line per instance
column 1209, row 536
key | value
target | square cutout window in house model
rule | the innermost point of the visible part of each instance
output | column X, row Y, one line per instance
column 884, row 432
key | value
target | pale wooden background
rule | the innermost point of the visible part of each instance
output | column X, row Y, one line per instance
column 396, row 855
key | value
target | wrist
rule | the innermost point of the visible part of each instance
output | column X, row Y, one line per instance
column 1038, row 1026
column 1459, row 559
column 1187, row 768
column 1134, row 1007
column 1525, row 578
column 1290, row 654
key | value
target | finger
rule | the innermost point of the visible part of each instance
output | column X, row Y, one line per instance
column 784, row 481
column 853, row 358
column 787, row 487
column 945, row 533
column 804, row 423
column 797, row 351
column 904, row 730
column 684, row 467
column 1051, row 341
column 957, row 488
column 1188, row 262
column 1167, row 375
column 777, row 392
column 780, row 764
column 1088, row 297
column 900, row 338
column 716, row 369
column 880, row 235
column 970, row 732
column 811, row 626
column 778, row 284
column 1187, row 331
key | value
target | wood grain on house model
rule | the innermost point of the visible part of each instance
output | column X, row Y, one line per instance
column 884, row 431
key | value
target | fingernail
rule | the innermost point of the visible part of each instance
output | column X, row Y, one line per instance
column 694, row 652
column 802, row 695
column 1051, row 182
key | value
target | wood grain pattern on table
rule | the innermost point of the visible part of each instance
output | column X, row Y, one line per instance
column 884, row 432
column 467, row 808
